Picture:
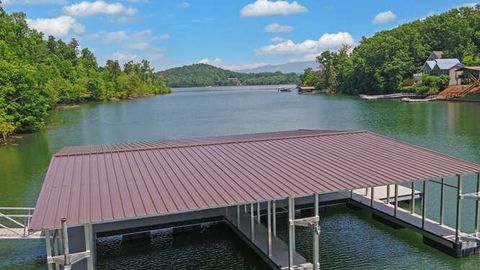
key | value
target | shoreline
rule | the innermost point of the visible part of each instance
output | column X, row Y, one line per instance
column 17, row 136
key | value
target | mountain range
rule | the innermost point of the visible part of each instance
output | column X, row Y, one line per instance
column 291, row 67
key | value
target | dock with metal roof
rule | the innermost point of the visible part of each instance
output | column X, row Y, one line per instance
column 94, row 190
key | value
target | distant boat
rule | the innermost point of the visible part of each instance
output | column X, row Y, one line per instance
column 284, row 89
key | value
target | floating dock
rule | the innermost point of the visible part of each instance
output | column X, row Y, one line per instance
column 94, row 191
column 388, row 96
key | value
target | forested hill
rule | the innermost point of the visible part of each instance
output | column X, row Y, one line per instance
column 207, row 75
column 38, row 73
column 382, row 63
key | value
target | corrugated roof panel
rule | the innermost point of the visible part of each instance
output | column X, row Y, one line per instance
column 105, row 183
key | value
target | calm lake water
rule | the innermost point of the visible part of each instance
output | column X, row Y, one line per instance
column 349, row 239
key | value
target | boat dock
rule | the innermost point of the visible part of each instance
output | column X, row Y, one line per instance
column 246, row 181
column 388, row 96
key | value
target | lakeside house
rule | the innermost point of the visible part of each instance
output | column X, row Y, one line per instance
column 437, row 65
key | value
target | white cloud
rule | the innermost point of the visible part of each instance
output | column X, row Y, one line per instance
column 326, row 42
column 124, row 37
column 86, row 8
column 184, row 5
column 278, row 28
column 384, row 17
column 470, row 5
column 277, row 39
column 215, row 61
column 59, row 27
column 267, row 8
column 32, row 2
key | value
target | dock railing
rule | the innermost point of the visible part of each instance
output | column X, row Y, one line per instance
column 15, row 222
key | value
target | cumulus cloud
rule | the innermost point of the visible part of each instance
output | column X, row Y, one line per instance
column 214, row 61
column 59, row 27
column 86, row 8
column 278, row 28
column 32, row 2
column 326, row 42
column 268, row 8
column 384, row 17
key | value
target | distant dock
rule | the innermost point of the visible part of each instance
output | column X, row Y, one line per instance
column 388, row 96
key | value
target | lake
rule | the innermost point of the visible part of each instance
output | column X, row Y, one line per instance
column 349, row 239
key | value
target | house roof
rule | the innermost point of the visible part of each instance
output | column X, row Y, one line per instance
column 476, row 68
column 446, row 63
column 431, row 63
column 108, row 183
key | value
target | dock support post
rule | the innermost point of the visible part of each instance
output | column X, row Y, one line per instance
column 424, row 204
column 457, row 219
column 372, row 195
column 477, row 206
column 316, row 238
column 48, row 245
column 252, row 223
column 66, row 247
column 388, row 195
column 56, row 246
column 442, row 201
column 274, row 218
column 89, row 245
column 258, row 212
column 396, row 201
column 291, row 231
column 269, row 228
column 238, row 215
column 412, row 202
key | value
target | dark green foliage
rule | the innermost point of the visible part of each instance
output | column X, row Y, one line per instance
column 37, row 74
column 207, row 75
column 380, row 64
column 428, row 85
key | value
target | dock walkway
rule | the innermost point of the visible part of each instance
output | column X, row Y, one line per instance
column 440, row 235
column 279, row 250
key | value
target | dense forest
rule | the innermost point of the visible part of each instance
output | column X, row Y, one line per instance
column 37, row 73
column 385, row 62
column 207, row 75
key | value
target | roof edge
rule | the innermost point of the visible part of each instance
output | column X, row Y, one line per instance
column 324, row 134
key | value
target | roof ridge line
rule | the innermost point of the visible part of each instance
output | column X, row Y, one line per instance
column 333, row 133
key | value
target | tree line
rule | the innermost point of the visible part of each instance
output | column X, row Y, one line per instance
column 36, row 74
column 207, row 75
column 386, row 62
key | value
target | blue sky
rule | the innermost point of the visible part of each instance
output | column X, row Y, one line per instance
column 234, row 34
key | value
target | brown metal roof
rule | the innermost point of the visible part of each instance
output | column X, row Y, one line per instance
column 105, row 183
